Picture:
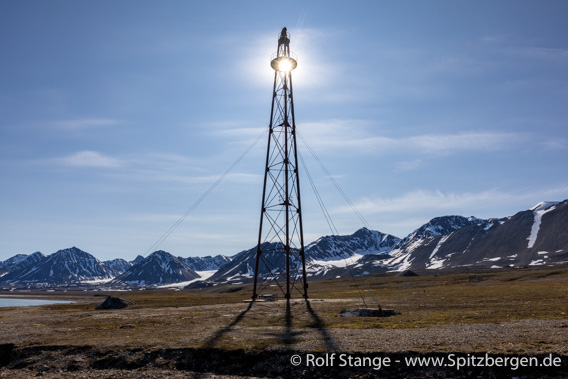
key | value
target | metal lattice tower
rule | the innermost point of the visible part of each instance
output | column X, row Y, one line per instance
column 280, row 255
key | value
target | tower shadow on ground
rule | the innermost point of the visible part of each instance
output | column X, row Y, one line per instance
column 289, row 337
column 319, row 325
column 212, row 341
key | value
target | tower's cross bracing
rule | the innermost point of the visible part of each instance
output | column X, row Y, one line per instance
column 280, row 255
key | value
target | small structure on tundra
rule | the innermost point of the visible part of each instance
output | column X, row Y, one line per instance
column 268, row 297
column 368, row 312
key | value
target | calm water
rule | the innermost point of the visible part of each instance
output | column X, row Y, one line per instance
column 19, row 301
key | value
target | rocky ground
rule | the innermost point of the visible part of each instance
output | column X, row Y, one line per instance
column 231, row 340
column 491, row 324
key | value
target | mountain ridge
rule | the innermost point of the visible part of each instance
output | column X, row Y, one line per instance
column 536, row 236
column 160, row 267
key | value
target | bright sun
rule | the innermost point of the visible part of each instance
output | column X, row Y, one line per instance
column 285, row 65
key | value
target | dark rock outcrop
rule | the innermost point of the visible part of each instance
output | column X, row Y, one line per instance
column 113, row 302
column 407, row 273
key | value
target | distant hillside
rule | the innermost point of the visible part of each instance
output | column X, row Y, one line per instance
column 533, row 237
column 159, row 267
column 63, row 267
column 537, row 236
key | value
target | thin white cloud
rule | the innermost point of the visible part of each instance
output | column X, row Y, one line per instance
column 164, row 162
column 409, row 165
column 89, row 158
column 236, row 177
column 152, row 217
column 558, row 55
column 422, row 200
column 232, row 132
column 154, row 167
column 355, row 135
column 472, row 141
column 439, row 203
column 493, row 38
column 84, row 123
column 174, row 168
column 555, row 144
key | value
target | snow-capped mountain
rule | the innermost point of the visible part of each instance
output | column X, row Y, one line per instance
column 117, row 266
column 242, row 265
column 207, row 263
column 424, row 239
column 19, row 263
column 160, row 267
column 331, row 256
column 63, row 267
column 13, row 260
column 533, row 237
column 322, row 256
column 362, row 242
column 537, row 236
column 136, row 260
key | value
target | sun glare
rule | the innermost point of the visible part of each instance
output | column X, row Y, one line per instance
column 285, row 65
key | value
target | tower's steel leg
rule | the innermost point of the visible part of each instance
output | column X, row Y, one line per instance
column 280, row 254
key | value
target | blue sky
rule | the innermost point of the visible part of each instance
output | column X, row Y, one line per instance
column 116, row 116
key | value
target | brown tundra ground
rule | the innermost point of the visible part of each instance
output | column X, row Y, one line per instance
column 498, row 323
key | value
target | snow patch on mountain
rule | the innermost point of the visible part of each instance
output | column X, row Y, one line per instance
column 440, row 243
column 400, row 260
column 337, row 263
column 539, row 210
column 435, row 263
column 204, row 275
